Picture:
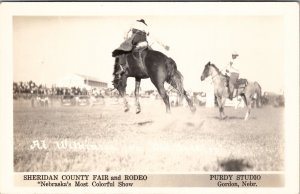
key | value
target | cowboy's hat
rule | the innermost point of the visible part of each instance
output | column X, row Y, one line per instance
column 234, row 53
column 143, row 21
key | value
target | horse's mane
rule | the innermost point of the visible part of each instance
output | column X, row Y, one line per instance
column 116, row 79
column 118, row 52
column 116, row 68
column 217, row 69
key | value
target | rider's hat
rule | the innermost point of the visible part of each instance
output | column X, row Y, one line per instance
column 143, row 21
column 234, row 53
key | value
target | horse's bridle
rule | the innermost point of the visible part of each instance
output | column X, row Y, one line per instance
column 218, row 74
column 121, row 70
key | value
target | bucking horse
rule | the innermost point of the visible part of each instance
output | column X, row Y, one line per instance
column 143, row 64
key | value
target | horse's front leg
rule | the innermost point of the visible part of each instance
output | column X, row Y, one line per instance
column 221, row 103
column 122, row 91
column 125, row 102
column 136, row 94
column 248, row 104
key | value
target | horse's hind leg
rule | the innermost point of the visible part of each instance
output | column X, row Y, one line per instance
column 162, row 92
column 248, row 112
column 221, row 102
column 136, row 94
column 176, row 82
column 190, row 102
column 247, row 101
column 221, row 112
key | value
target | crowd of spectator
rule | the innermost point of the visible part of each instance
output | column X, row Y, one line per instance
column 30, row 88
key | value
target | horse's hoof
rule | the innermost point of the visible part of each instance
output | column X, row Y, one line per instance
column 138, row 111
column 126, row 110
column 193, row 109
column 223, row 118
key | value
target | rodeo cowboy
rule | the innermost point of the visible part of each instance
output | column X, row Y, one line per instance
column 138, row 33
column 138, row 36
column 232, row 74
column 136, row 39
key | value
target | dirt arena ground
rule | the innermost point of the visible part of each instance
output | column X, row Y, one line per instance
column 104, row 138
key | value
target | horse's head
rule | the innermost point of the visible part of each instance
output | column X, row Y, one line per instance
column 119, row 81
column 206, row 71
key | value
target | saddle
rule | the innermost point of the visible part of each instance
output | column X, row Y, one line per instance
column 131, row 43
column 135, row 56
column 125, row 47
column 241, row 83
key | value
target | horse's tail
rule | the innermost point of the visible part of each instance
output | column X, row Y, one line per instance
column 174, row 78
column 258, row 93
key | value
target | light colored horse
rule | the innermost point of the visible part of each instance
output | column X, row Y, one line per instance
column 251, row 93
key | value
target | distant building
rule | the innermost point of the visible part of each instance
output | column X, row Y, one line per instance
column 81, row 81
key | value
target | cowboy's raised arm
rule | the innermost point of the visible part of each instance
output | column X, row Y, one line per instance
column 153, row 39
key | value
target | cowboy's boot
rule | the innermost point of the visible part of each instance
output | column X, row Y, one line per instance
column 140, row 57
column 228, row 87
column 231, row 92
column 230, row 95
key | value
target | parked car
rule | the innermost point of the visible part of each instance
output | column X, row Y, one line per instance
column 83, row 100
column 68, row 100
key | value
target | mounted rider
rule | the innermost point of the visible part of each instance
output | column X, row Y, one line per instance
column 232, row 74
column 138, row 34
column 136, row 40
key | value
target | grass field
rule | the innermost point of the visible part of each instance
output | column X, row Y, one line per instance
column 104, row 138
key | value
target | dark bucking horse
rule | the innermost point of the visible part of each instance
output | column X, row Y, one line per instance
column 147, row 64
column 249, row 93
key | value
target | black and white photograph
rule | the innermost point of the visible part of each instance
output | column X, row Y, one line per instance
column 139, row 90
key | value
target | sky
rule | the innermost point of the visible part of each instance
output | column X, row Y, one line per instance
column 46, row 48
